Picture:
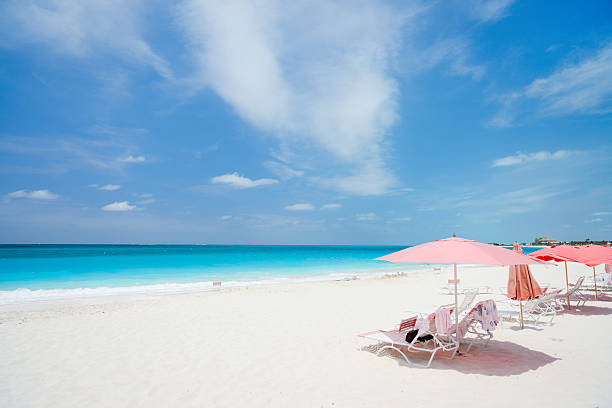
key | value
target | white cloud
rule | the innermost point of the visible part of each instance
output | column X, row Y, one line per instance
column 119, row 206
column 283, row 171
column 366, row 217
column 226, row 217
column 375, row 179
column 36, row 194
column 593, row 220
column 300, row 207
column 330, row 206
column 110, row 187
column 147, row 201
column 454, row 51
column 580, row 88
column 585, row 87
column 311, row 73
column 490, row 10
column 524, row 158
column 62, row 154
column 402, row 219
column 132, row 159
column 82, row 29
column 237, row 181
column 603, row 213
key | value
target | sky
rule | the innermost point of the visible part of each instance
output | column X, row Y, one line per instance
column 304, row 122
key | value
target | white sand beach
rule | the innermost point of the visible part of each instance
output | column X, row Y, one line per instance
column 294, row 345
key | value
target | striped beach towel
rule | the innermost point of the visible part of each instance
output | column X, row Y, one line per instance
column 443, row 320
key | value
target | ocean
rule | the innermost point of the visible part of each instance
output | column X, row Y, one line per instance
column 49, row 271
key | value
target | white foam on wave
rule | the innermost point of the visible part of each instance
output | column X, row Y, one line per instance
column 24, row 295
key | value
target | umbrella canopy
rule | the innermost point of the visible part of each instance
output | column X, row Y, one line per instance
column 558, row 253
column 459, row 251
column 594, row 255
column 588, row 255
column 521, row 283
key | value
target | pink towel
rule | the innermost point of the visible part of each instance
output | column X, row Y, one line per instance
column 443, row 320
column 609, row 268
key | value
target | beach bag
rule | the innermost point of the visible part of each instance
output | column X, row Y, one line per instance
column 412, row 334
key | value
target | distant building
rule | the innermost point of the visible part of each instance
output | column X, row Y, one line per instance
column 545, row 241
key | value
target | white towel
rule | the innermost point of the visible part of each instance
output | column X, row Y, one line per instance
column 487, row 314
column 423, row 325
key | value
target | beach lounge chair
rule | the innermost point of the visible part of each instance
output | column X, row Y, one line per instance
column 574, row 292
column 471, row 330
column 533, row 310
column 428, row 340
column 604, row 282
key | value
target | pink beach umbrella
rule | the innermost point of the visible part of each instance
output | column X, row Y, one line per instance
column 569, row 253
column 559, row 253
column 458, row 251
column 521, row 283
column 594, row 255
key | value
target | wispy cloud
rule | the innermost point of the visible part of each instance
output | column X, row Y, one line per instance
column 524, row 158
column 82, row 29
column 330, row 87
column 110, row 187
column 366, row 216
column 402, row 219
column 283, row 171
column 119, row 206
column 374, row 179
column 237, row 181
column 300, row 207
column 225, row 217
column 63, row 154
column 147, row 201
column 132, row 159
column 490, row 10
column 453, row 51
column 603, row 213
column 330, row 206
column 585, row 87
column 592, row 220
column 35, row 194
column 579, row 88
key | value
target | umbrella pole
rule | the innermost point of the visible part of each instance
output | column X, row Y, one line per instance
column 567, row 286
column 456, row 306
column 522, row 324
column 595, row 282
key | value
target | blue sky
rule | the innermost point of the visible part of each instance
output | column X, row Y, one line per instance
column 344, row 122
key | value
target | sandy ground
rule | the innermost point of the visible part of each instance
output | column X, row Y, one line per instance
column 293, row 345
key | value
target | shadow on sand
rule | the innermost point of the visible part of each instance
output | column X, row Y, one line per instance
column 588, row 310
column 500, row 358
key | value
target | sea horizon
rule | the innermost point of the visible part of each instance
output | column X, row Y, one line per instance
column 43, row 271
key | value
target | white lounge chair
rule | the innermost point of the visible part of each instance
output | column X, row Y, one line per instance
column 533, row 310
column 574, row 294
column 604, row 282
column 429, row 341
column 472, row 329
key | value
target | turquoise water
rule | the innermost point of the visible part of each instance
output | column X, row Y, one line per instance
column 35, row 267
column 88, row 266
